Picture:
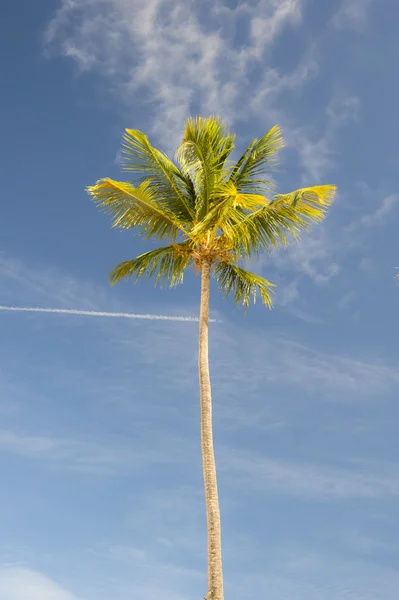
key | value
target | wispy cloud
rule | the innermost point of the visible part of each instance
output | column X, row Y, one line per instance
column 382, row 212
column 365, row 544
column 290, row 362
column 167, row 50
column 352, row 13
column 314, row 257
column 20, row 583
column 147, row 573
column 81, row 455
column 294, row 366
column 316, row 152
column 300, row 572
column 312, row 481
column 271, row 17
column 28, row 283
column 27, row 287
column 172, row 57
column 346, row 300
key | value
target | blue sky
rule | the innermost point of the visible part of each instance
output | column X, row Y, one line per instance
column 99, row 444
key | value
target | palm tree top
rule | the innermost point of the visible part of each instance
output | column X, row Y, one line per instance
column 207, row 207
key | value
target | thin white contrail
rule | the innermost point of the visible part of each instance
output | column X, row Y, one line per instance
column 95, row 313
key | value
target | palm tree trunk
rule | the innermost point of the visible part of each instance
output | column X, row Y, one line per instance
column 215, row 574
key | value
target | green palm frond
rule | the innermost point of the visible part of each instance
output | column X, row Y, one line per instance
column 311, row 203
column 218, row 212
column 136, row 207
column 243, row 284
column 165, row 179
column 202, row 155
column 286, row 215
column 168, row 263
column 228, row 207
column 260, row 156
column 264, row 229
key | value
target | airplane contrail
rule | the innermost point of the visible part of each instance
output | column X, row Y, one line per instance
column 94, row 313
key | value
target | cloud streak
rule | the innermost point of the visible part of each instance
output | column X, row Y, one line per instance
column 95, row 313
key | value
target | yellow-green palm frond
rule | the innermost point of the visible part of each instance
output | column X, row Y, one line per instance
column 166, row 180
column 209, row 209
column 137, row 207
column 242, row 283
column 265, row 229
column 168, row 263
column 260, row 156
column 202, row 155
column 311, row 203
column 286, row 215
column 227, row 208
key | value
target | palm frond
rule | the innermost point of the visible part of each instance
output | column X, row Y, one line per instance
column 260, row 156
column 311, row 203
column 168, row 262
column 165, row 178
column 136, row 207
column 264, row 229
column 209, row 209
column 228, row 207
column 286, row 215
column 243, row 284
column 202, row 155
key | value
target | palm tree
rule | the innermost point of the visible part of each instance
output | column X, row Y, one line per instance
column 214, row 215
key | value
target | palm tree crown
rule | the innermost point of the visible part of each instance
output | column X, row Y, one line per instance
column 207, row 208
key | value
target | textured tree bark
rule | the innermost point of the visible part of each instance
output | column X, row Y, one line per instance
column 215, row 572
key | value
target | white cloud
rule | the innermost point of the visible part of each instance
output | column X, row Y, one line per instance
column 288, row 293
column 357, row 540
column 352, row 13
column 312, row 481
column 271, row 83
column 382, row 212
column 290, row 363
column 238, row 363
column 288, row 296
column 31, row 284
column 299, row 572
column 165, row 52
column 316, row 152
column 305, row 316
column 272, row 17
column 316, row 155
column 238, row 368
column 315, row 256
column 169, row 541
column 367, row 265
column 19, row 583
column 83, row 455
column 28, row 284
column 342, row 109
column 346, row 300
column 169, row 59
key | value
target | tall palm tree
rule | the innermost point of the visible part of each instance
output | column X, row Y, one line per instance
column 214, row 214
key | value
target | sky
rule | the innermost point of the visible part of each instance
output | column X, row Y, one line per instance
column 101, row 494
